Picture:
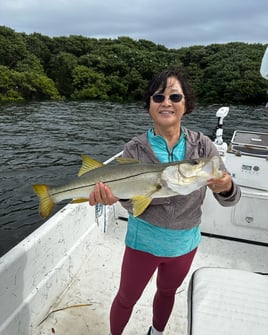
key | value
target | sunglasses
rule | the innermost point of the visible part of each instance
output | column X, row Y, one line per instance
column 176, row 97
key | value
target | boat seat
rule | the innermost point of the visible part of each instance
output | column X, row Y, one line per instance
column 227, row 301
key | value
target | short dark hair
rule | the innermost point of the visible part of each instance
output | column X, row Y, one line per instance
column 160, row 81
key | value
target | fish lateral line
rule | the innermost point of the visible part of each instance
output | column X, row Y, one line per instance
column 52, row 193
column 100, row 181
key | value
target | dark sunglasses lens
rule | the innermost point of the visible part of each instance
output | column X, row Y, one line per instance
column 175, row 97
column 158, row 98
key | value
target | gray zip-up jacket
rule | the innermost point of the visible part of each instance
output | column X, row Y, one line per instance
column 180, row 211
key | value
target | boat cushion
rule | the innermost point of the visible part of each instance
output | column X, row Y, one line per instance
column 228, row 301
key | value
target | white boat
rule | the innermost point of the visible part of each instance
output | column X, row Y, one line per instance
column 62, row 278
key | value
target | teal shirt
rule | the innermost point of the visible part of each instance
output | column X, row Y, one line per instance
column 161, row 149
column 144, row 236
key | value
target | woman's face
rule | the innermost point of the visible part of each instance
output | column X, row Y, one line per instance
column 168, row 113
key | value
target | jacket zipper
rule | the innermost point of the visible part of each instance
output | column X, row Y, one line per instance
column 170, row 155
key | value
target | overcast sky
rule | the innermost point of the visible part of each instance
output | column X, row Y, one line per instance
column 173, row 23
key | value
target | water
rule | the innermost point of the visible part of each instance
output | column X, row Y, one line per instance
column 43, row 143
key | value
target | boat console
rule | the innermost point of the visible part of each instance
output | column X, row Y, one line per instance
column 247, row 159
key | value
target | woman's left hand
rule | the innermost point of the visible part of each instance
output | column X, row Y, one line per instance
column 223, row 184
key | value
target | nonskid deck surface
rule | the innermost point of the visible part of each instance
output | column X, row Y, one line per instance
column 91, row 293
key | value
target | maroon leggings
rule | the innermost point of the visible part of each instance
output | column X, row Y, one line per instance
column 137, row 269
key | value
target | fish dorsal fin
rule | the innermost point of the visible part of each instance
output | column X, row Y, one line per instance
column 125, row 160
column 88, row 164
column 140, row 203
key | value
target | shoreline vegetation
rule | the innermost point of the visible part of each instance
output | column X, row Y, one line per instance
column 38, row 67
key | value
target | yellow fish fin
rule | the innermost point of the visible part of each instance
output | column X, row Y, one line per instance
column 79, row 200
column 125, row 160
column 140, row 203
column 46, row 204
column 88, row 164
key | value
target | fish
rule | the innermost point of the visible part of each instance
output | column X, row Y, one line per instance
column 131, row 179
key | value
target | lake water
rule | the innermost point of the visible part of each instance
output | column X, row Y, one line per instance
column 42, row 142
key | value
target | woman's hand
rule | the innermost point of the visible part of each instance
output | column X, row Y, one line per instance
column 102, row 194
column 222, row 185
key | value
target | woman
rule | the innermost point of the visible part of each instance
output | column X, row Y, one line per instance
column 166, row 236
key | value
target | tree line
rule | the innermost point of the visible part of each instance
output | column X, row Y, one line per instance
column 38, row 67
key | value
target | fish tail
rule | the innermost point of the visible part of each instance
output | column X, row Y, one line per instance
column 46, row 203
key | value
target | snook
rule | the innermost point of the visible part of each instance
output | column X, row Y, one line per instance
column 140, row 182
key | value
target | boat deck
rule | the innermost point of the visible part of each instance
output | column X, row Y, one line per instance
column 83, row 309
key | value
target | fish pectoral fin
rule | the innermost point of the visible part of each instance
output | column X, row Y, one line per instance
column 125, row 160
column 140, row 203
column 88, row 164
column 79, row 200
column 46, row 203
